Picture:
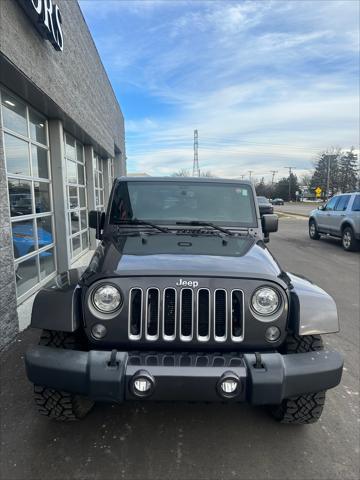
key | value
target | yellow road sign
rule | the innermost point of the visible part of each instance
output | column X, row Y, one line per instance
column 318, row 190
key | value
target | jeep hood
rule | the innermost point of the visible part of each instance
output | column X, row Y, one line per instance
column 182, row 255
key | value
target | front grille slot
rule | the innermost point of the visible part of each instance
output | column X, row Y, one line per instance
column 203, row 314
column 152, row 313
column 169, row 313
column 135, row 313
column 186, row 314
column 237, row 315
column 220, row 315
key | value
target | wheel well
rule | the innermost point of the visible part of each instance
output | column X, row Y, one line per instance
column 312, row 219
column 346, row 224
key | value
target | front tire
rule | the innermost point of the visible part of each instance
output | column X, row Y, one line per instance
column 349, row 242
column 56, row 404
column 313, row 231
column 307, row 408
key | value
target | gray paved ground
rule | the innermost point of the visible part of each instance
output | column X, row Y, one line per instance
column 172, row 441
column 298, row 208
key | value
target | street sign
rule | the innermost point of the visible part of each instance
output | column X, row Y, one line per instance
column 318, row 192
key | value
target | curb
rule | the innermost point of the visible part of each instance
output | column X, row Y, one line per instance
column 291, row 213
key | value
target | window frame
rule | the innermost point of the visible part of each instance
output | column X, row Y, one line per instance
column 79, row 234
column 32, row 180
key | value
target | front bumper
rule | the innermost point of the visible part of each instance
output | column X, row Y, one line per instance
column 107, row 376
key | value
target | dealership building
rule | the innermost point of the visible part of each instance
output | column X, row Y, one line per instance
column 61, row 144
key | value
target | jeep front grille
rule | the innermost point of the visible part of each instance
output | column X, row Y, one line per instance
column 186, row 314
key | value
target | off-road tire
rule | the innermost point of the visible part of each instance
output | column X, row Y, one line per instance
column 307, row 408
column 300, row 410
column 348, row 240
column 313, row 231
column 55, row 404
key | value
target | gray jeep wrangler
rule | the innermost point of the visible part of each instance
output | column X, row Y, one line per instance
column 183, row 301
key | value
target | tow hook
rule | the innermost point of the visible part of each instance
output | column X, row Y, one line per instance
column 112, row 361
column 258, row 363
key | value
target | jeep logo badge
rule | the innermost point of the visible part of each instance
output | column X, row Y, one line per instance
column 187, row 283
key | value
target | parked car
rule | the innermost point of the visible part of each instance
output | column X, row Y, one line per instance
column 265, row 206
column 24, row 239
column 339, row 217
column 277, row 201
column 182, row 301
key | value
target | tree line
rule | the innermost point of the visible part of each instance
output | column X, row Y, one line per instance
column 335, row 171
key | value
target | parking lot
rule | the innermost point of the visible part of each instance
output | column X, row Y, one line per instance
column 199, row 441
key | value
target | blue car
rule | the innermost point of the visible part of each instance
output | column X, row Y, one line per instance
column 24, row 239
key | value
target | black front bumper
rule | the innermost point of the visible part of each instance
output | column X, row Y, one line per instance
column 179, row 377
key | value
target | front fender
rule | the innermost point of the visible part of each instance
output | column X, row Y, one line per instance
column 58, row 306
column 313, row 311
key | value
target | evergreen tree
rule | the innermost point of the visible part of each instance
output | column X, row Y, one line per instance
column 348, row 171
column 326, row 163
column 281, row 189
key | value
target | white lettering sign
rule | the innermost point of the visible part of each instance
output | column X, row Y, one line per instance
column 46, row 17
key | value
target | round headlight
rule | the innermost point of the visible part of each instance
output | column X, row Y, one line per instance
column 106, row 298
column 265, row 301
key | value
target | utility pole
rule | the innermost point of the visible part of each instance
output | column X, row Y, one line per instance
column 242, row 177
column 250, row 174
column 329, row 158
column 290, row 173
column 274, row 172
column 196, row 169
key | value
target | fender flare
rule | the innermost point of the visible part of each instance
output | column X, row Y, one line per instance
column 58, row 305
column 314, row 311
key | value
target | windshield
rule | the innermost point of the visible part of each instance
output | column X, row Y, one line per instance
column 263, row 200
column 171, row 202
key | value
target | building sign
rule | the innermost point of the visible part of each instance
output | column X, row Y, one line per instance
column 46, row 17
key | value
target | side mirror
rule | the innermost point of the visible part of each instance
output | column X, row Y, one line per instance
column 321, row 207
column 97, row 221
column 269, row 223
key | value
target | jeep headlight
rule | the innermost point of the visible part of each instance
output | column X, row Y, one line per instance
column 106, row 298
column 265, row 301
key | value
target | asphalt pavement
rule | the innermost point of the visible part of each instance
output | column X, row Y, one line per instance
column 199, row 441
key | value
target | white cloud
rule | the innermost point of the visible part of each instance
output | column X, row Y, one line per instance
column 265, row 82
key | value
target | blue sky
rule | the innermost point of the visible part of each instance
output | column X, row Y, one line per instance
column 267, row 83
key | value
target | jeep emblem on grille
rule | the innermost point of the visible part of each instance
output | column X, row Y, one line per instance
column 187, row 283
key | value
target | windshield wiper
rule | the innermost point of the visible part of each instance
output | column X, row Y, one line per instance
column 198, row 223
column 136, row 221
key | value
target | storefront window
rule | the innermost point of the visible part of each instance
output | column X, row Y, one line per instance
column 76, row 197
column 30, row 192
column 99, row 182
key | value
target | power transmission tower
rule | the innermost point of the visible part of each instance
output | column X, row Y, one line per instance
column 274, row 172
column 196, row 169
column 290, row 173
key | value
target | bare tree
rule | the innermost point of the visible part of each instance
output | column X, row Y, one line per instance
column 183, row 172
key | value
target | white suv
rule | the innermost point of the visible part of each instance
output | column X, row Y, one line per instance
column 339, row 217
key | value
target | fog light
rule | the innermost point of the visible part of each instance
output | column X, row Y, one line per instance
column 98, row 331
column 142, row 384
column 229, row 386
column 272, row 334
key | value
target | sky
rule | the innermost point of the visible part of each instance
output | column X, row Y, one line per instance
column 267, row 84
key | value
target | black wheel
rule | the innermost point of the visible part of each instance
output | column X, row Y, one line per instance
column 59, row 405
column 313, row 231
column 307, row 408
column 349, row 242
